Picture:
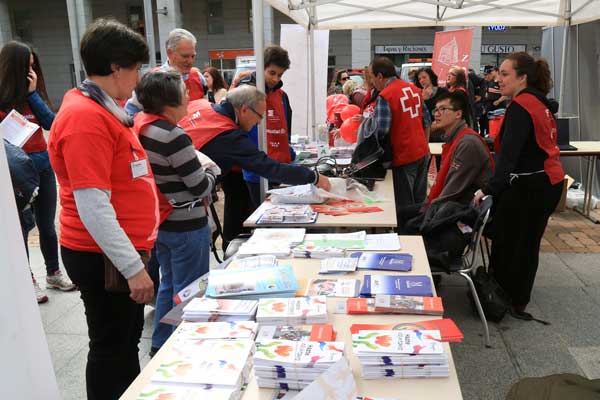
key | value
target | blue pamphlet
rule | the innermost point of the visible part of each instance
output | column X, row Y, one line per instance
column 410, row 285
column 401, row 262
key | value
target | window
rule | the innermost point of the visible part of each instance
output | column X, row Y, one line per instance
column 216, row 22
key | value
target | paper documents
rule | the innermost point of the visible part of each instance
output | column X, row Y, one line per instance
column 16, row 129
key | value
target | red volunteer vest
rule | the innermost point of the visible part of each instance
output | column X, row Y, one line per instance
column 194, row 85
column 406, row 134
column 448, row 150
column 36, row 142
column 278, row 145
column 544, row 128
column 203, row 123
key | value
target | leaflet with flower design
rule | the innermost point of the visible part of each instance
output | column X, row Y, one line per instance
column 397, row 342
column 292, row 311
column 222, row 363
column 176, row 392
column 298, row 353
column 219, row 330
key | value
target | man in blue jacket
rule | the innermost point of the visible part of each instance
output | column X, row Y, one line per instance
column 221, row 132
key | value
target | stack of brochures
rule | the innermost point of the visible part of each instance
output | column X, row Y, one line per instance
column 254, row 262
column 327, row 245
column 293, row 364
column 202, row 309
column 286, row 214
column 225, row 365
column 400, row 354
column 311, row 333
column 333, row 287
column 448, row 329
column 292, row 311
column 338, row 265
column 401, row 262
column 218, row 330
column 277, row 242
column 252, row 283
column 393, row 304
column 403, row 285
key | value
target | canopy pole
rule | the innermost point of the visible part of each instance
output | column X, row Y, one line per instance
column 258, row 37
column 311, row 46
column 563, row 64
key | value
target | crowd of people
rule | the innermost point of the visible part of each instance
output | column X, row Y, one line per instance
column 137, row 161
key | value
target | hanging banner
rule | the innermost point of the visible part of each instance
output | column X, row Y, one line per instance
column 451, row 48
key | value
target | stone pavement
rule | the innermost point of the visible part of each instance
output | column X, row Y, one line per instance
column 566, row 293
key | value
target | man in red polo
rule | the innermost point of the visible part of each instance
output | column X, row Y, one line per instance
column 402, row 125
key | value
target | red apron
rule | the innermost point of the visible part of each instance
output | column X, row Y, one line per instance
column 278, row 147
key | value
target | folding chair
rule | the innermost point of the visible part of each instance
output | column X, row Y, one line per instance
column 465, row 264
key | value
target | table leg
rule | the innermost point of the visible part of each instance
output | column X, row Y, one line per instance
column 586, row 208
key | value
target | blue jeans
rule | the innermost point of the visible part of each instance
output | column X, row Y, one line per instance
column 44, row 212
column 183, row 258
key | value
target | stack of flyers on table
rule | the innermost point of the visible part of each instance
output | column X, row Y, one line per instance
column 266, row 261
column 312, row 333
column 203, row 309
column 403, row 285
column 401, row 262
column 326, row 245
column 287, row 364
column 183, row 392
column 286, row 214
column 280, row 241
column 400, row 354
column 223, row 364
column 448, row 329
column 218, row 330
column 292, row 311
column 252, row 283
column 333, row 287
column 393, row 304
column 338, row 265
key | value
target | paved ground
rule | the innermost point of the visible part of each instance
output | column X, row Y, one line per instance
column 567, row 293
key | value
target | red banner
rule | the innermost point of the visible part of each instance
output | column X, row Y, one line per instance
column 451, row 48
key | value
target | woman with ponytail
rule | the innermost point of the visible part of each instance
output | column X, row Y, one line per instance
column 528, row 180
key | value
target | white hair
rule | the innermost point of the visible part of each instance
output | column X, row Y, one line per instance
column 177, row 35
column 245, row 95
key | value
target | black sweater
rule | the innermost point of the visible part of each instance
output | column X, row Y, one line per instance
column 519, row 151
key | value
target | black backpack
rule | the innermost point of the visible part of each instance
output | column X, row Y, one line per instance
column 370, row 158
column 494, row 300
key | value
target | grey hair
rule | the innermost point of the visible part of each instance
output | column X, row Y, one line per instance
column 245, row 95
column 177, row 35
column 159, row 89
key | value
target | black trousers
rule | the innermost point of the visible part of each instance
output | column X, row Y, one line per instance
column 410, row 184
column 519, row 221
column 115, row 324
column 237, row 207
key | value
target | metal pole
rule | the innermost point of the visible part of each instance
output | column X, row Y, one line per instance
column 563, row 67
column 149, row 25
column 311, row 40
column 258, row 36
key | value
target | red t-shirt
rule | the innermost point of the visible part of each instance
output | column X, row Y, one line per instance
column 90, row 148
column 36, row 142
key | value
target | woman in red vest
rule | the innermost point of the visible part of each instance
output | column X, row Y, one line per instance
column 528, row 180
column 24, row 90
column 109, row 216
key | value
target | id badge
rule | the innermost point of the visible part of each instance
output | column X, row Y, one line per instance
column 139, row 168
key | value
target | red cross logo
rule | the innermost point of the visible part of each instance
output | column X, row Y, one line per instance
column 414, row 108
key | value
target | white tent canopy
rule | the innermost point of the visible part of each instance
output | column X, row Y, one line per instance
column 361, row 14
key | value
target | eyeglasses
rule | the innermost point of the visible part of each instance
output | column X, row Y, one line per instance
column 255, row 112
column 442, row 109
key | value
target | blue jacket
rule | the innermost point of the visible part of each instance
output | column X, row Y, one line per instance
column 234, row 147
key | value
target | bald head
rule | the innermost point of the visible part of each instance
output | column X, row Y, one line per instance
column 249, row 104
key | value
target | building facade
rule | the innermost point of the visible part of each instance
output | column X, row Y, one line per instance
column 224, row 32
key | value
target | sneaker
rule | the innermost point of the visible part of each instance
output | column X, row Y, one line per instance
column 60, row 282
column 40, row 294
